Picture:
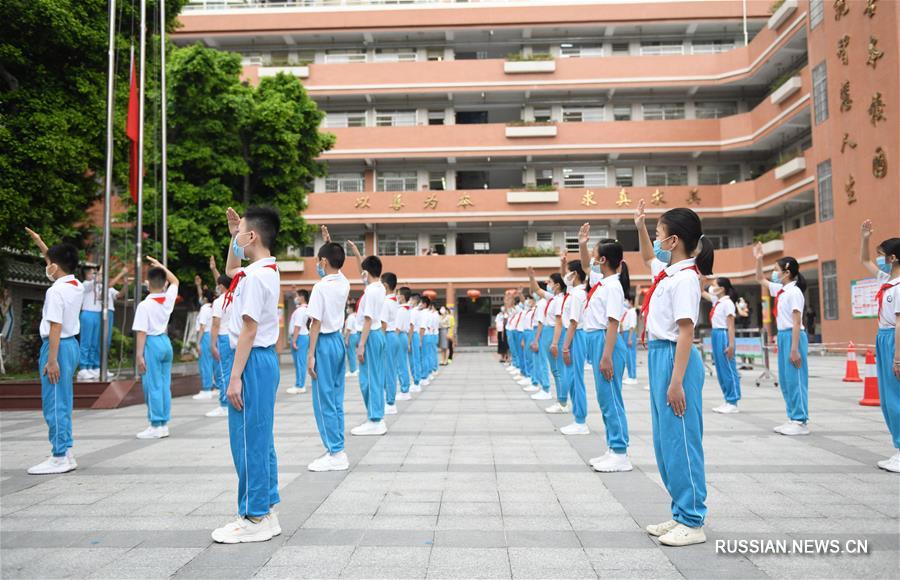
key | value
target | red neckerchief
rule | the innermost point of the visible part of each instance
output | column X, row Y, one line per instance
column 712, row 310
column 73, row 283
column 404, row 306
column 159, row 299
column 359, row 303
column 229, row 295
column 547, row 307
column 394, row 298
column 645, row 307
column 879, row 296
column 591, row 293
column 775, row 304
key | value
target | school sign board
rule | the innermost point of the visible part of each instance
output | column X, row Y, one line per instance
column 862, row 298
column 747, row 346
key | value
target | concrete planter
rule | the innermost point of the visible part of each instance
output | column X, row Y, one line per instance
column 291, row 266
column 791, row 86
column 783, row 13
column 773, row 247
column 532, row 196
column 529, row 66
column 792, row 167
column 519, row 131
column 536, row 262
column 301, row 72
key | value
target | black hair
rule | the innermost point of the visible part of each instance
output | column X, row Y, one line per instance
column 575, row 266
column 415, row 296
column 304, row 294
column 156, row 277
column 208, row 296
column 685, row 224
column 723, row 282
column 890, row 247
column 405, row 292
column 558, row 279
column 790, row 264
column 266, row 222
column 542, row 285
column 224, row 280
column 372, row 265
column 426, row 301
column 389, row 279
column 333, row 253
column 614, row 253
column 65, row 256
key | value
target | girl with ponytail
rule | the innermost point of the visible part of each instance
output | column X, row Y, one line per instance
column 723, row 296
column 574, row 351
column 670, row 310
column 787, row 287
column 604, row 309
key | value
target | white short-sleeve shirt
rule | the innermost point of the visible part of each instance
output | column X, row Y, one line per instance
column 370, row 305
column 521, row 322
column 298, row 320
column 350, row 323
column 91, row 298
column 887, row 318
column 204, row 318
column 722, row 308
column 629, row 320
column 327, row 302
column 223, row 315
column 62, row 304
column 152, row 314
column 434, row 322
column 389, row 312
column 420, row 319
column 607, row 301
column 403, row 316
column 573, row 309
column 256, row 296
column 790, row 300
column 499, row 321
column 113, row 295
column 540, row 309
column 676, row 297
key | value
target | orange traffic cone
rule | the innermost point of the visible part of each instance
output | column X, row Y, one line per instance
column 870, row 389
column 851, row 374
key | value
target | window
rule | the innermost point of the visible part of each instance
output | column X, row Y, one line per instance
column 436, row 117
column 597, row 234
column 624, row 177
column 711, row 46
column 666, row 175
column 398, row 245
column 481, row 247
column 718, row 174
column 715, row 110
column 336, row 56
column 584, row 177
column 830, row 289
column 543, row 114
column 543, row 177
column 395, row 118
column 252, row 58
column 544, row 240
column 622, row 113
column 621, row 49
column 437, row 180
column 661, row 47
column 582, row 114
column 816, row 12
column 663, row 111
column 438, row 244
column 826, row 197
column 280, row 58
column 435, row 54
column 396, row 181
column 339, row 182
column 337, row 120
column 360, row 245
column 580, row 50
column 820, row 92
column 395, row 55
column 719, row 239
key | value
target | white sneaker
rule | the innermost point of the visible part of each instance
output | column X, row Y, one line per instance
column 594, row 460
column 245, row 530
column 218, row 412
column 52, row 465
column 401, row 396
column 613, row 463
column 203, row 396
column 892, row 464
column 301, row 390
column 415, row 389
column 557, row 409
column 524, row 381
column 276, row 525
column 661, row 529
column 531, row 388
column 792, row 428
column 370, row 428
column 681, row 535
column 629, row 381
column 727, row 409
column 293, row 390
column 84, row 375
column 575, row 429
column 390, row 409
column 329, row 462
column 152, row 432
column 511, row 369
column 71, row 457
column 542, row 396
column 646, row 387
column 425, row 383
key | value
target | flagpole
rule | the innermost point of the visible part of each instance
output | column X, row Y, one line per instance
column 107, row 193
column 162, row 100
column 138, row 272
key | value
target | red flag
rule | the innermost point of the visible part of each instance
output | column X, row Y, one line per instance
column 132, row 129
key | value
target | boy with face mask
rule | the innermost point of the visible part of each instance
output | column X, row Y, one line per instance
column 59, row 352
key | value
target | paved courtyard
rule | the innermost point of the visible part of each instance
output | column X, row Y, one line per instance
column 473, row 480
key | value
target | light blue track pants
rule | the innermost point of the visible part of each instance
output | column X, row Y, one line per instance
column 352, row 343
column 206, row 364
column 794, row 382
column 89, row 339
column 542, row 360
column 575, row 375
column 299, row 355
column 404, row 364
column 530, row 356
column 57, row 400
column 328, row 391
column 678, row 441
column 157, row 381
column 251, row 433
column 630, row 352
column 888, row 384
column 609, row 393
column 371, row 375
column 223, row 368
column 513, row 342
column 562, row 371
column 416, row 358
column 726, row 368
column 393, row 357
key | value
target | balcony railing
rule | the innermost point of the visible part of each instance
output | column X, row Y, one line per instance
column 213, row 5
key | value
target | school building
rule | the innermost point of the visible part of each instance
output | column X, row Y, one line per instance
column 474, row 137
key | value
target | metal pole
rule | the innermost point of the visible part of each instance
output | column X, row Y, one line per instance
column 107, row 193
column 162, row 100
column 746, row 38
column 139, row 238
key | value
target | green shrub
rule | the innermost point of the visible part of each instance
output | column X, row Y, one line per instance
column 519, row 57
column 767, row 236
column 532, row 253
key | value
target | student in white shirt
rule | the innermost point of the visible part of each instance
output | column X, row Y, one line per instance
column 723, row 296
column 553, row 326
column 220, row 345
column 670, row 311
column 887, row 356
column 299, row 329
column 499, row 325
column 253, row 331
column 433, row 328
column 370, row 351
column 393, row 343
column 540, row 341
column 325, row 361
column 205, row 362
column 604, row 309
column 575, row 348
column 351, row 341
column 91, row 320
column 415, row 341
column 628, row 330
column 787, row 289
column 421, row 329
column 59, row 353
column 405, row 341
column 526, row 325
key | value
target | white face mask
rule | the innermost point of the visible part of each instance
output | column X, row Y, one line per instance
column 570, row 279
column 47, row 273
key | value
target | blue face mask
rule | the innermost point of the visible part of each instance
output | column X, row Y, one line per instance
column 320, row 270
column 661, row 255
column 776, row 277
column 882, row 264
column 595, row 267
column 238, row 250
